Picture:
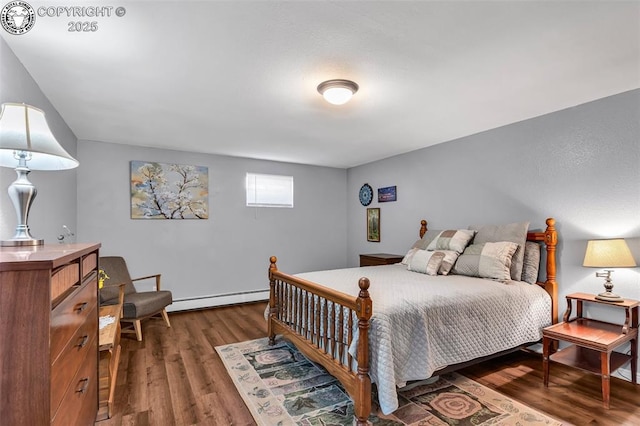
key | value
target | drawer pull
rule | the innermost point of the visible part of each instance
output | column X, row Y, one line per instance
column 85, row 385
column 81, row 307
column 84, row 341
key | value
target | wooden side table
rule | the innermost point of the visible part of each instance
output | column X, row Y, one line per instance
column 376, row 259
column 109, row 346
column 593, row 341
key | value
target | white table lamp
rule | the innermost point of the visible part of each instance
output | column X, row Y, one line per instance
column 26, row 143
column 608, row 254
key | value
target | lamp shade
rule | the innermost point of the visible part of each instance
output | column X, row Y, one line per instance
column 613, row 253
column 25, row 128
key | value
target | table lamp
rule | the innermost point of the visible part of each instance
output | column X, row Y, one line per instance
column 613, row 253
column 26, row 143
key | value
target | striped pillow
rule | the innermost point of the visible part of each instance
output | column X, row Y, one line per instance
column 426, row 262
column 487, row 260
column 452, row 239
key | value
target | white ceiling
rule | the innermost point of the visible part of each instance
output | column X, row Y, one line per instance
column 239, row 77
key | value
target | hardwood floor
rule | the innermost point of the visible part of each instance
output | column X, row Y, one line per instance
column 175, row 377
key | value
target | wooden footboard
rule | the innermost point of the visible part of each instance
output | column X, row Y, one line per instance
column 321, row 322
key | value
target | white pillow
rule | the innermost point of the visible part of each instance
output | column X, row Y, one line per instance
column 425, row 262
column 407, row 257
column 432, row 262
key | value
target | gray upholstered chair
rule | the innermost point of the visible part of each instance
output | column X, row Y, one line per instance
column 137, row 305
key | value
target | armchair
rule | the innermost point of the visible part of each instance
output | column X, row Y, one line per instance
column 136, row 305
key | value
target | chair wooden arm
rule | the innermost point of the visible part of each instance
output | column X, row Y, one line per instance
column 156, row 276
column 121, row 298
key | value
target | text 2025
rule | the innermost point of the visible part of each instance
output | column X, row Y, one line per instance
column 77, row 27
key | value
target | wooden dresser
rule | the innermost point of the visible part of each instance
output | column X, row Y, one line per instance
column 49, row 335
column 375, row 259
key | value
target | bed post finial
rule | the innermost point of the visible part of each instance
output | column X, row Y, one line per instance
column 423, row 228
column 272, row 298
column 363, row 387
column 364, row 284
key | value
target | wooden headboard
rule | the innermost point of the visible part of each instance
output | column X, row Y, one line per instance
column 550, row 240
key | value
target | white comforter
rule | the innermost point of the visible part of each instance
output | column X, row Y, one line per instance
column 422, row 323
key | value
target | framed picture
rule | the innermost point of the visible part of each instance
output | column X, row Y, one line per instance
column 169, row 191
column 387, row 194
column 373, row 225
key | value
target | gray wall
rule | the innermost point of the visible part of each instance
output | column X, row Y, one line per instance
column 55, row 204
column 229, row 252
column 580, row 166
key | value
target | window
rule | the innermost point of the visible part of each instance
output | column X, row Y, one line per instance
column 269, row 190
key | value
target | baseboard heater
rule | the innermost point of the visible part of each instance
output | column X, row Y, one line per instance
column 211, row 301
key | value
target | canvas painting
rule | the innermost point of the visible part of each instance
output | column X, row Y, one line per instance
column 169, row 191
column 373, row 225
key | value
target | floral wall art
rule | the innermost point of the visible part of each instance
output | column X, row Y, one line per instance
column 169, row 191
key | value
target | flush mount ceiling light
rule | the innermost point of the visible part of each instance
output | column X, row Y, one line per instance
column 337, row 92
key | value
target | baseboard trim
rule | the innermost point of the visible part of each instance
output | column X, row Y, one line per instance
column 217, row 300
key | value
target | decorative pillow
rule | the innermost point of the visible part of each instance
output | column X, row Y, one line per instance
column 452, row 239
column 426, row 239
column 449, row 259
column 514, row 232
column 407, row 257
column 426, row 262
column 531, row 262
column 487, row 260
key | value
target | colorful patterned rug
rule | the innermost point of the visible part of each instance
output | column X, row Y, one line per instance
column 282, row 387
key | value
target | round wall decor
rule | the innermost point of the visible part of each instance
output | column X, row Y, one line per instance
column 366, row 194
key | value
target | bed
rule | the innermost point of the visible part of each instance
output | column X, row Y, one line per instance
column 423, row 323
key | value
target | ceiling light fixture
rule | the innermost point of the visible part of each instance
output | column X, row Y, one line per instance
column 337, row 92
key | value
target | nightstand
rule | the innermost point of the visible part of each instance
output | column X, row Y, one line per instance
column 376, row 259
column 593, row 341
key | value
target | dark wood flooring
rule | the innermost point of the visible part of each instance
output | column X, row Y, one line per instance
column 175, row 377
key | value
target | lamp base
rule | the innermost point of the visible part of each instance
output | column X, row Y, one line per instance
column 21, row 243
column 609, row 297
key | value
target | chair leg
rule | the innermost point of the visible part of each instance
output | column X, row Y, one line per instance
column 166, row 317
column 138, row 327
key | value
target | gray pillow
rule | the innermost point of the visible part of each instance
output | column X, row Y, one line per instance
column 514, row 232
column 487, row 260
column 531, row 263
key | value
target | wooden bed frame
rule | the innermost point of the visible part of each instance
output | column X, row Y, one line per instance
column 308, row 315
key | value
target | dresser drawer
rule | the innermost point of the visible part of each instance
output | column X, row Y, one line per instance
column 78, row 406
column 89, row 264
column 70, row 314
column 63, row 369
column 64, row 278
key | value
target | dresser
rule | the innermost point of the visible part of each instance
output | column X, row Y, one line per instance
column 375, row 259
column 49, row 334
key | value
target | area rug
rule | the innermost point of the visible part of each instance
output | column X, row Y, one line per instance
column 280, row 386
